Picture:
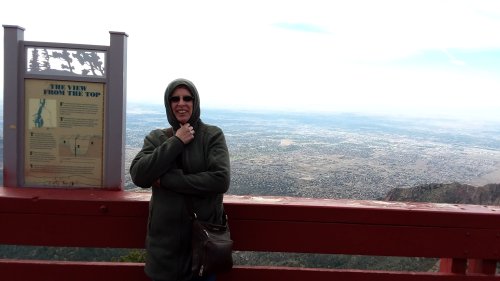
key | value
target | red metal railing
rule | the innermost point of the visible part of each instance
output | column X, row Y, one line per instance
column 465, row 237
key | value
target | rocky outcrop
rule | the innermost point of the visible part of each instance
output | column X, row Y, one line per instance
column 448, row 193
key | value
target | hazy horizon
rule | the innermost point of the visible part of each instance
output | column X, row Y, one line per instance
column 474, row 115
column 477, row 116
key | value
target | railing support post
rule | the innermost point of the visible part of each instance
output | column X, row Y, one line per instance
column 452, row 265
column 488, row 267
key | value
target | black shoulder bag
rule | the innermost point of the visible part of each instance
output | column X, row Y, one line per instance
column 211, row 245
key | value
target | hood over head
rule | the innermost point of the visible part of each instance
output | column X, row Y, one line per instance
column 195, row 116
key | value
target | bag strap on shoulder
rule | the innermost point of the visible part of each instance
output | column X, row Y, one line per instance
column 189, row 207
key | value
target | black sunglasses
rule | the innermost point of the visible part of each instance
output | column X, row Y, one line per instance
column 178, row 98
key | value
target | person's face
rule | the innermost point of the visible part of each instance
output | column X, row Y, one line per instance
column 181, row 103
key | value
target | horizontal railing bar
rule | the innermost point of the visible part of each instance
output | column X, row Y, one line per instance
column 38, row 270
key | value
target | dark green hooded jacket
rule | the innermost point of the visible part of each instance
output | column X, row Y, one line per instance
column 199, row 169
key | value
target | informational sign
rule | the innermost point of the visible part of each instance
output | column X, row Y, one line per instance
column 63, row 133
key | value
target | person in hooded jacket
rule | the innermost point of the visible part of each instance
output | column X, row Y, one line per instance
column 190, row 159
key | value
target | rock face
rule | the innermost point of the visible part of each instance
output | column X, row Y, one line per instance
column 448, row 193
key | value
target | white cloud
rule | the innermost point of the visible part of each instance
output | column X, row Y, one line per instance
column 240, row 55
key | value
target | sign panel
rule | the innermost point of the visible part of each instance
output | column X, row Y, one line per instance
column 63, row 133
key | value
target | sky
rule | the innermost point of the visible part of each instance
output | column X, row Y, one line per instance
column 420, row 57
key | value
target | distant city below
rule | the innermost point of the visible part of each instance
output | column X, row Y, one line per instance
column 338, row 155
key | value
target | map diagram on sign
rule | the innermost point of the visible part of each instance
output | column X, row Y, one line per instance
column 42, row 113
